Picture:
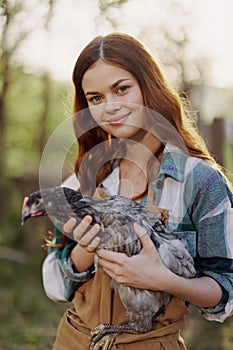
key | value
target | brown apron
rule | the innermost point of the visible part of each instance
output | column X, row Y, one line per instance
column 95, row 303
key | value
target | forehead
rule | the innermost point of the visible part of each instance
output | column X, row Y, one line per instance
column 103, row 73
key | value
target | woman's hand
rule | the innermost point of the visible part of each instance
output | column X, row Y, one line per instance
column 144, row 270
column 82, row 254
column 86, row 239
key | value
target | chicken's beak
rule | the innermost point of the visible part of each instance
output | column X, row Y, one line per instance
column 24, row 217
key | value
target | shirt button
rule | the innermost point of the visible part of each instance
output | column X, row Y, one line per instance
column 159, row 184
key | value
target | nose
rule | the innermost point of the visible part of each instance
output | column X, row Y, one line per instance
column 112, row 105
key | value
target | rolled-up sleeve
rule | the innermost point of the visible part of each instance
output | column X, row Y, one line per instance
column 212, row 215
column 60, row 280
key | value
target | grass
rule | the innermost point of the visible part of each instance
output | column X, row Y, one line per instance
column 28, row 319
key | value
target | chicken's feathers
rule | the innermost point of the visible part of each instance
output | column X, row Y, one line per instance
column 117, row 216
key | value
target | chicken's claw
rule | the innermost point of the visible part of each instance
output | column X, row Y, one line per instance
column 102, row 337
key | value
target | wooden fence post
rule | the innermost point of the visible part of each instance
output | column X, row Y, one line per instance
column 217, row 138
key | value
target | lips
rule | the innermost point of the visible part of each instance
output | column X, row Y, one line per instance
column 119, row 120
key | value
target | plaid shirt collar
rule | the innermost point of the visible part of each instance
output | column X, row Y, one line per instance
column 173, row 163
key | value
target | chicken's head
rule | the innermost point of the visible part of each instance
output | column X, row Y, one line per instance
column 33, row 206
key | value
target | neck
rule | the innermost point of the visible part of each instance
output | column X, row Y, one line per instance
column 139, row 152
column 135, row 165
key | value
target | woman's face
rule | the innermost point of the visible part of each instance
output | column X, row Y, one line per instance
column 115, row 99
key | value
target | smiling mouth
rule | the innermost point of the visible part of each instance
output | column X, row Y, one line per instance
column 119, row 120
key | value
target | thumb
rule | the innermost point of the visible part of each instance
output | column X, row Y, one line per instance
column 144, row 237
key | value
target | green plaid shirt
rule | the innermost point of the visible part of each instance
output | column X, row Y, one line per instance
column 200, row 207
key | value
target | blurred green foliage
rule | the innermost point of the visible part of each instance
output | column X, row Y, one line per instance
column 25, row 105
column 28, row 319
column 200, row 334
column 26, row 135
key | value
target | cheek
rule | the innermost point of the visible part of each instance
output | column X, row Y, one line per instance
column 137, row 98
column 97, row 112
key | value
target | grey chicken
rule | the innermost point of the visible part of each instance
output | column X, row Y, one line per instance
column 116, row 216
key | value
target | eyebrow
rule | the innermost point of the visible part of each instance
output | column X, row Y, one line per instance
column 112, row 87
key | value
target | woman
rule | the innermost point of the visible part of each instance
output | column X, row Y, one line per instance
column 137, row 139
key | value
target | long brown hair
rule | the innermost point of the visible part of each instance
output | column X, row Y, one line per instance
column 129, row 54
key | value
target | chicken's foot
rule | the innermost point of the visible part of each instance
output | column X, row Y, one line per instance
column 103, row 336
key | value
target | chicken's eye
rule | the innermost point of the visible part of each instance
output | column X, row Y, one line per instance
column 37, row 202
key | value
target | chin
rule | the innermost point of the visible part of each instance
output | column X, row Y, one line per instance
column 126, row 132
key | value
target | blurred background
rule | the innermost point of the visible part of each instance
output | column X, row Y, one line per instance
column 40, row 42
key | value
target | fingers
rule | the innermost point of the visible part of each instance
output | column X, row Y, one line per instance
column 144, row 237
column 82, row 227
column 116, row 256
column 83, row 234
column 88, row 241
column 109, row 255
column 139, row 230
column 69, row 225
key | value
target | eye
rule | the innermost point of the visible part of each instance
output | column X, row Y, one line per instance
column 122, row 90
column 37, row 202
column 95, row 99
